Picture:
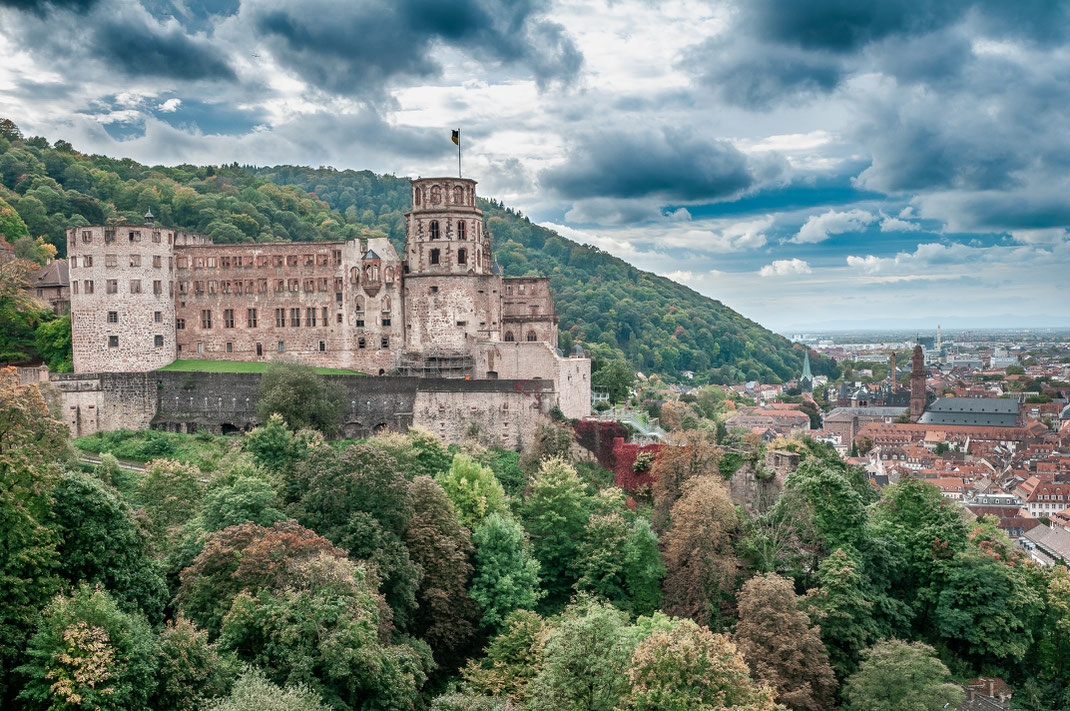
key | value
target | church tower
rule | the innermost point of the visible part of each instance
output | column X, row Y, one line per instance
column 806, row 382
column 917, row 384
column 452, row 291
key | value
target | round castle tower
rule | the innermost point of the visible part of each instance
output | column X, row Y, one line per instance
column 451, row 290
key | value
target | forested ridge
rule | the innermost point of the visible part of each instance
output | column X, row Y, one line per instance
column 614, row 309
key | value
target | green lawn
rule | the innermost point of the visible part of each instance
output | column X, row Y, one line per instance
column 239, row 366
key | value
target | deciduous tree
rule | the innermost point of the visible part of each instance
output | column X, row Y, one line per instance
column 781, row 647
column 254, row 692
column 901, row 676
column 687, row 667
column 511, row 660
column 189, row 668
column 506, row 575
column 700, row 565
column 303, row 398
column 473, row 489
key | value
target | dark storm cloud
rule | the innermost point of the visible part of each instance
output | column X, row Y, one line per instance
column 139, row 49
column 356, row 48
column 668, row 164
column 42, row 7
column 779, row 50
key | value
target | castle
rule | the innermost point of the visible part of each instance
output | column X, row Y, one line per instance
column 143, row 296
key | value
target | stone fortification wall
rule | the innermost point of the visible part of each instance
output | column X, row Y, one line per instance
column 526, row 360
column 500, row 412
column 528, row 310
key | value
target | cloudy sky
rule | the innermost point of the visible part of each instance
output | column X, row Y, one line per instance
column 804, row 162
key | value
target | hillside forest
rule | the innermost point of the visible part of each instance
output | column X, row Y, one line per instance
column 613, row 309
column 280, row 570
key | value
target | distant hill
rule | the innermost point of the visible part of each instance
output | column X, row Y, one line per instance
column 614, row 309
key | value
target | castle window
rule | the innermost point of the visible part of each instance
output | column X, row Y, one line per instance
column 135, row 260
column 156, row 237
column 113, row 341
column 280, row 285
column 228, row 318
column 323, row 347
column 281, row 347
column 338, row 296
column 462, row 232
column 509, row 337
column 206, row 318
column 180, row 324
column 74, row 262
column 224, row 286
column 183, row 262
column 157, row 341
column 462, row 256
column 385, row 342
column 157, row 262
column 157, row 287
column 325, row 316
column 157, row 317
column 386, row 304
column 462, row 323
column 230, row 347
column 135, row 236
column 87, row 261
column 436, row 195
column 250, row 318
column 295, row 318
column 360, row 342
column 322, row 284
column 434, row 256
column 259, row 350
column 212, row 286
column 200, row 348
column 111, row 260
column 295, row 285
column 238, row 287
column 280, row 318
column 224, row 262
column 310, row 317
column 360, row 323
column 113, row 317
column 532, row 336
column 261, row 286
column 458, row 195
column 109, row 235
column 135, row 286
column 386, row 322
column 336, row 256
column 87, row 236
column 434, row 289
column 416, row 196
column 434, row 229
column 74, row 287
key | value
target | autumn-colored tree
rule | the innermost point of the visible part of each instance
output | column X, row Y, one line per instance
column 688, row 668
column 781, row 647
column 511, row 660
column 103, row 542
column 473, row 489
column 700, row 565
column 189, row 668
column 441, row 547
column 901, row 676
column 582, row 659
column 244, row 557
column 689, row 455
column 88, row 654
column 30, row 443
column 554, row 513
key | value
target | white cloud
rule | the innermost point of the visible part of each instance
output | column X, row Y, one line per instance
column 1046, row 237
column 170, row 105
column 781, row 267
column 869, row 264
column 819, row 228
column 894, row 224
column 681, row 276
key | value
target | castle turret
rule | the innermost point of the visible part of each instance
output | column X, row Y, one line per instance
column 452, row 294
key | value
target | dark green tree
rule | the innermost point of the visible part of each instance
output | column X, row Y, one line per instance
column 301, row 396
column 901, row 676
column 506, row 575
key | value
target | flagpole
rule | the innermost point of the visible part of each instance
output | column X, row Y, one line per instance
column 459, row 153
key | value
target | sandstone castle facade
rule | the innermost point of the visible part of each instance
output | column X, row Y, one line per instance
column 143, row 296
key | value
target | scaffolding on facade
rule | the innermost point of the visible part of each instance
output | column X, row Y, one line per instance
column 435, row 363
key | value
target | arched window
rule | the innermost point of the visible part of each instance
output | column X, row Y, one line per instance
column 509, row 336
column 371, row 272
column 434, row 229
column 532, row 336
column 360, row 304
column 436, row 195
column 354, row 275
column 416, row 197
column 462, row 231
column 386, row 304
column 462, row 256
column 388, row 273
column 458, row 195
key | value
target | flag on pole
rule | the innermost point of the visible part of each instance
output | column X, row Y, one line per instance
column 457, row 136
